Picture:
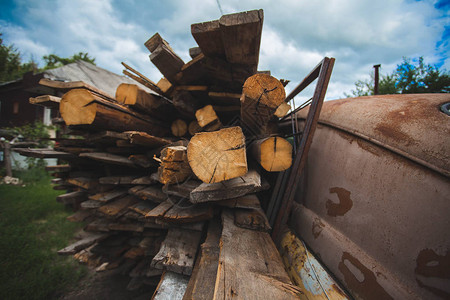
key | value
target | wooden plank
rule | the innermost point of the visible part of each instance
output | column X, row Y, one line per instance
column 255, row 274
column 86, row 183
column 108, row 196
column 130, row 227
column 193, row 72
column 98, row 225
column 209, row 38
column 88, row 204
column 152, row 43
column 160, row 210
column 117, row 180
column 83, row 243
column 253, row 218
column 65, row 86
column 225, row 98
column 80, row 216
column 233, row 188
column 181, row 190
column 194, row 52
column 110, row 159
column 185, row 212
column 106, row 137
column 145, row 139
column 167, row 62
column 143, row 207
column 46, row 101
column 138, row 77
column 72, row 197
column 241, row 36
column 118, row 206
column 201, row 285
column 43, row 153
column 145, row 180
column 247, row 201
column 152, row 193
column 178, row 251
column 172, row 286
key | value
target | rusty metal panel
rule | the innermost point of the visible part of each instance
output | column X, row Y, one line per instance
column 375, row 205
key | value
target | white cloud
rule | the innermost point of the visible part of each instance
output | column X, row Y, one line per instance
column 296, row 33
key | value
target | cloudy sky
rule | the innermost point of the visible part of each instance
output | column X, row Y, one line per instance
column 297, row 34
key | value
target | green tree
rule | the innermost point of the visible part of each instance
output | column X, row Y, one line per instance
column 54, row 61
column 411, row 76
column 11, row 66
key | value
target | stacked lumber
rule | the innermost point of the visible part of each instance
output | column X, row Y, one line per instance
column 161, row 175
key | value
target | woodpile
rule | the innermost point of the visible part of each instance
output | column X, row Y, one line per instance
column 162, row 177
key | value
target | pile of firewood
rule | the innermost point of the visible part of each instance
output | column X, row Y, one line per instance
column 161, row 174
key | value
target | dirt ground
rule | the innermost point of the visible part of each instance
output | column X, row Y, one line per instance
column 107, row 285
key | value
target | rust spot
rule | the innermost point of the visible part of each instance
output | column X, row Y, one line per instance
column 368, row 147
column 344, row 205
column 368, row 288
column 431, row 264
column 345, row 136
column 338, row 290
column 317, row 227
column 394, row 133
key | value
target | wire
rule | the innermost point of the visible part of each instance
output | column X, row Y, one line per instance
column 220, row 7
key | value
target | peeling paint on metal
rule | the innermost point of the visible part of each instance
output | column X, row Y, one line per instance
column 345, row 203
column 431, row 264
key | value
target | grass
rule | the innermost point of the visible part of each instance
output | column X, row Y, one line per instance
column 33, row 227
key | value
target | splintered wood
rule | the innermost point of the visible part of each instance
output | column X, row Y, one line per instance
column 152, row 170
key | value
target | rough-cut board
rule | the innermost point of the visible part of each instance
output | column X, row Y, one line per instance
column 108, row 196
column 172, row 286
column 255, row 274
column 80, row 216
column 46, row 101
column 117, row 180
column 83, row 182
column 167, row 62
column 254, row 219
column 44, row 153
column 209, row 38
column 178, row 251
column 201, row 284
column 65, row 86
column 145, row 139
column 186, row 212
column 90, row 204
column 156, row 40
column 110, row 158
column 183, row 189
column 219, row 155
column 72, row 197
column 81, row 244
column 143, row 207
column 192, row 72
column 233, row 188
column 160, row 210
column 247, row 201
column 241, row 36
column 152, row 193
column 118, row 206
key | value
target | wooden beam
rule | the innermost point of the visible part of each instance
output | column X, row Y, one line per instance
column 209, row 38
column 66, row 86
column 110, row 159
column 46, row 101
column 256, row 274
column 167, row 62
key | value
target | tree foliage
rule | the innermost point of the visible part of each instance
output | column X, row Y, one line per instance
column 411, row 76
column 12, row 67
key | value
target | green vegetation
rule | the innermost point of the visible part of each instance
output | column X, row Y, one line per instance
column 411, row 76
column 12, row 67
column 33, row 227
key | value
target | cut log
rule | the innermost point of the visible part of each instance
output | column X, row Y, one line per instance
column 165, row 86
column 155, row 106
column 179, row 128
column 178, row 251
column 174, row 167
column 255, row 274
column 233, row 188
column 209, row 38
column 82, row 107
column 171, row 286
column 218, row 156
column 282, row 110
column 261, row 96
column 46, row 101
column 194, row 127
column 167, row 62
column 201, row 285
column 241, row 36
column 274, row 154
column 207, row 118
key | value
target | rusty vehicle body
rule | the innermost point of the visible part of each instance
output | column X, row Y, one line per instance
column 374, row 201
